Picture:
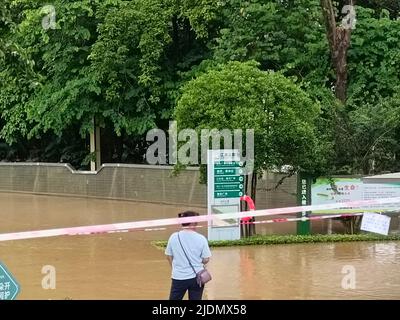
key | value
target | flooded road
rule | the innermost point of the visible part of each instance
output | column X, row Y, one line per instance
column 127, row 266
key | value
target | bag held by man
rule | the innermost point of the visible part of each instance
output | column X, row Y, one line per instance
column 203, row 276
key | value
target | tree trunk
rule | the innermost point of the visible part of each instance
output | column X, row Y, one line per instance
column 95, row 147
column 244, row 228
column 342, row 45
column 339, row 43
column 253, row 196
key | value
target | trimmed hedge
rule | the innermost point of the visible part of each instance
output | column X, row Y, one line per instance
column 290, row 239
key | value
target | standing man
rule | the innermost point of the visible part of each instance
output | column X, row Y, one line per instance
column 187, row 250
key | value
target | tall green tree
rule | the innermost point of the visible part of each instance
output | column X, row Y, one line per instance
column 376, row 131
column 285, row 36
column 115, row 61
column 240, row 96
column 374, row 57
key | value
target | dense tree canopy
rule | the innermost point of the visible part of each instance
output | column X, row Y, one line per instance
column 239, row 95
column 124, row 65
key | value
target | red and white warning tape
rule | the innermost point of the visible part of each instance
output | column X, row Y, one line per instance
column 149, row 224
column 278, row 220
column 347, row 215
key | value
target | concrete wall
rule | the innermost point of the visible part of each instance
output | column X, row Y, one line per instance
column 131, row 182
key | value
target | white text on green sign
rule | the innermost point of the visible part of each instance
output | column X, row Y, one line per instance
column 227, row 172
column 229, row 186
column 228, row 194
column 226, row 179
column 225, row 164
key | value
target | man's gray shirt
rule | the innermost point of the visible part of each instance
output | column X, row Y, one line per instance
column 196, row 248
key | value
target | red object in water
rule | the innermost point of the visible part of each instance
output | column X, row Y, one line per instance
column 251, row 206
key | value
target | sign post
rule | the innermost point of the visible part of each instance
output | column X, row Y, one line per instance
column 9, row 287
column 303, row 199
column 224, row 187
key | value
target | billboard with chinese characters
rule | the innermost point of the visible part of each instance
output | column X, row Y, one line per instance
column 335, row 190
column 338, row 190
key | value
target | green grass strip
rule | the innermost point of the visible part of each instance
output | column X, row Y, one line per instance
column 291, row 239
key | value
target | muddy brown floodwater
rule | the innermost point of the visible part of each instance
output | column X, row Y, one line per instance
column 127, row 266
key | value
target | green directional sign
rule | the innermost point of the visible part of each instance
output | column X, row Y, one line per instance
column 228, row 182
column 230, row 164
column 227, row 194
column 229, row 186
column 9, row 287
column 227, row 179
column 229, row 171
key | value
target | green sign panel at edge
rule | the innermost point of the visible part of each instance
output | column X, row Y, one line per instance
column 228, row 164
column 228, row 186
column 228, row 179
column 228, row 171
column 227, row 194
column 9, row 287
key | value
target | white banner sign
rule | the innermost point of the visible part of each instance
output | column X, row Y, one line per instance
column 377, row 223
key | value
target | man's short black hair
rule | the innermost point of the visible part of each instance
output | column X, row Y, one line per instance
column 187, row 214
